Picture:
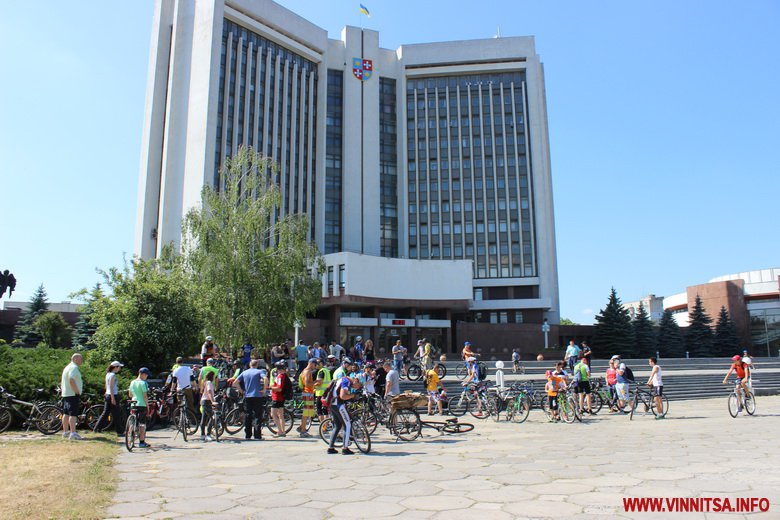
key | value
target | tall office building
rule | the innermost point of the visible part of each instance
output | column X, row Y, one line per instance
column 424, row 170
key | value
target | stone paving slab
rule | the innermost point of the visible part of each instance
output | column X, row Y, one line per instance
column 500, row 470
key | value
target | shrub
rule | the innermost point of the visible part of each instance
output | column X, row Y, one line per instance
column 22, row 370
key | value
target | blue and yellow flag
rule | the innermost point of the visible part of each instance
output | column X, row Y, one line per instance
column 364, row 10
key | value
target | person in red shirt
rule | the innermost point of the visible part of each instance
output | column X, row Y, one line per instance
column 277, row 398
column 742, row 370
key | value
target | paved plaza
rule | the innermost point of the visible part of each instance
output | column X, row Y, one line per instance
column 500, row 470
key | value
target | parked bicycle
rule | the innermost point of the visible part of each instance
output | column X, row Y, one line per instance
column 234, row 420
column 567, row 407
column 184, row 419
column 739, row 401
column 132, row 428
column 45, row 417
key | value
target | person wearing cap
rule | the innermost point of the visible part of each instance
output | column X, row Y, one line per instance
column 467, row 353
column 111, row 402
column 139, row 392
column 307, row 382
column 208, row 350
column 742, row 370
column 343, row 370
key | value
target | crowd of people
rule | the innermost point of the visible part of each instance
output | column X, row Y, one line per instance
column 328, row 376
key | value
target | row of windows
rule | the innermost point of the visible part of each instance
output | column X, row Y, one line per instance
column 333, row 170
column 388, row 168
column 465, row 81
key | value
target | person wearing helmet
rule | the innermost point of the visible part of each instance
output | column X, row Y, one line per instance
column 208, row 350
column 742, row 370
column 473, row 379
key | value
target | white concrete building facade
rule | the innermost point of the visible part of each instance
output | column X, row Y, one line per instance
column 434, row 153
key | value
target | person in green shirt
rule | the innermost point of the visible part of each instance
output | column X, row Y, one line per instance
column 582, row 388
column 321, row 381
column 139, row 392
column 205, row 370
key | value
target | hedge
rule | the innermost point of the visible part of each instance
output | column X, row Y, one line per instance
column 22, row 370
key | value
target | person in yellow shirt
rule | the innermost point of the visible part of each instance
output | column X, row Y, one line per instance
column 432, row 385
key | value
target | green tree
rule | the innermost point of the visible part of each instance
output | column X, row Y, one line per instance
column 251, row 264
column 726, row 340
column 150, row 317
column 644, row 333
column 86, row 325
column 25, row 329
column 54, row 330
column 567, row 321
column 670, row 338
column 614, row 333
column 698, row 337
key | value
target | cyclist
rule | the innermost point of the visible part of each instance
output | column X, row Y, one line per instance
column 515, row 360
column 307, row 382
column 432, row 385
column 467, row 353
column 342, row 392
column 207, row 404
column 208, row 350
column 742, row 371
column 246, row 354
column 473, row 378
column 323, row 379
column 209, row 368
column 139, row 392
column 425, row 358
column 582, row 383
column 621, row 382
column 657, row 384
column 184, row 378
column 343, row 370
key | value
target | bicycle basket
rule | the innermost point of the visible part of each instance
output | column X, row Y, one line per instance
column 407, row 401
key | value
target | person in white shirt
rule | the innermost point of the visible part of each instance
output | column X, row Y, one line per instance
column 111, row 402
column 185, row 379
column 336, row 350
column 656, row 382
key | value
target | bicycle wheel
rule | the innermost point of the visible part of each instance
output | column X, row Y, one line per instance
column 733, row 404
column 575, row 405
column 370, row 420
column 49, row 421
column 92, row 415
column 218, row 427
column 289, row 421
column 565, row 411
column 234, row 421
column 458, row 405
column 596, row 402
column 546, row 408
column 664, row 406
column 478, row 408
column 326, row 427
column 130, row 433
column 181, row 418
column 458, row 428
column 5, row 419
column 360, row 436
column 192, row 422
column 414, row 372
column 406, row 424
column 750, row 404
column 461, row 372
column 441, row 370
column 520, row 408
column 494, row 407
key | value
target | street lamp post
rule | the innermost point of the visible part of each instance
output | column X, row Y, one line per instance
column 546, row 330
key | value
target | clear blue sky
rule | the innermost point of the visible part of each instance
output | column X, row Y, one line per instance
column 663, row 115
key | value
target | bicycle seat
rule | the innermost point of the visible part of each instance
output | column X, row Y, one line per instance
column 40, row 391
column 452, row 420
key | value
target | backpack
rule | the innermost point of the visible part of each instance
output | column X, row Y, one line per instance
column 287, row 387
column 628, row 375
column 328, row 395
column 481, row 371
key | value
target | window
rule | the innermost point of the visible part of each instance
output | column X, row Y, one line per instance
column 342, row 277
column 330, row 278
column 478, row 294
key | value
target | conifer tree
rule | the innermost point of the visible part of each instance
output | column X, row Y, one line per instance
column 86, row 325
column 726, row 340
column 644, row 333
column 670, row 339
column 614, row 333
column 698, row 337
column 26, row 331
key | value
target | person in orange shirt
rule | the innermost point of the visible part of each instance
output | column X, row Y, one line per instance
column 742, row 371
column 554, row 385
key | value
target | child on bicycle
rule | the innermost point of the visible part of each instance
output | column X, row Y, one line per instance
column 555, row 383
column 139, row 392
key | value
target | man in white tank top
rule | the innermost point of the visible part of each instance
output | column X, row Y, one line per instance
column 657, row 384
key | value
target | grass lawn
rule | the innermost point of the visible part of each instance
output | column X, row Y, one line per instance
column 56, row 478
